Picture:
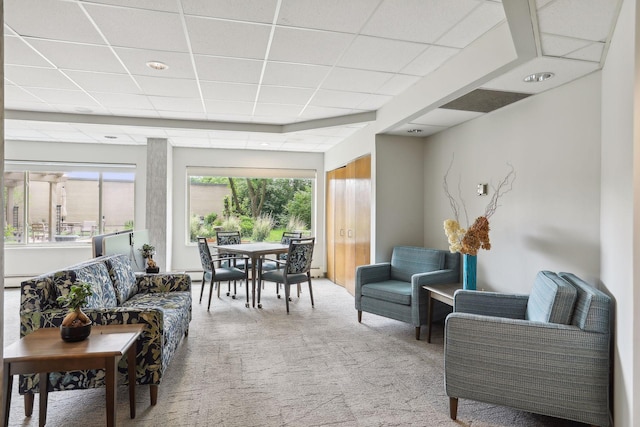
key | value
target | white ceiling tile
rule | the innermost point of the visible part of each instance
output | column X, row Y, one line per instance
column 339, row 99
column 122, row 100
column 37, row 77
column 186, row 105
column 429, row 60
column 445, row 117
column 288, row 111
column 78, row 56
column 565, row 70
column 308, row 46
column 242, row 10
column 14, row 94
column 226, row 38
column 228, row 70
column 50, row 19
column 417, row 20
column 355, row 80
column 593, row 52
column 481, row 20
column 73, row 97
column 374, row 102
column 370, row 53
column 584, row 19
column 17, row 52
column 313, row 112
column 159, row 86
column 295, row 75
column 229, row 91
column 228, row 107
column 104, row 82
column 162, row 5
column 553, row 45
column 284, row 95
column 397, row 84
column 137, row 28
column 135, row 60
column 332, row 15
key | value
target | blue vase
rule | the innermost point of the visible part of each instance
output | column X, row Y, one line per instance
column 469, row 271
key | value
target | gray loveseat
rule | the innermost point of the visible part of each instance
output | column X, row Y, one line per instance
column 394, row 289
column 162, row 302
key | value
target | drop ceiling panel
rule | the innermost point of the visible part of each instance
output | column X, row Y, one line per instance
column 332, row 15
column 181, row 88
column 407, row 20
column 284, row 112
column 137, row 28
column 371, row 53
column 186, row 105
column 55, row 20
column 584, row 19
column 554, row 45
column 226, row 38
column 227, row 107
column 135, row 60
column 429, row 60
column 77, row 56
column 14, row 94
column 242, row 10
column 37, row 77
column 229, row 91
column 398, row 83
column 308, row 46
column 164, row 5
column 17, row 52
column 355, row 80
column 478, row 22
column 284, row 95
column 373, row 102
column 593, row 52
column 340, row 99
column 294, row 75
column 70, row 97
column 228, row 70
column 123, row 100
column 314, row 112
column 104, row 82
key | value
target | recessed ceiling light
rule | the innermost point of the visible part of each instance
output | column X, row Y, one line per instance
column 157, row 65
column 414, row 131
column 538, row 77
column 110, row 137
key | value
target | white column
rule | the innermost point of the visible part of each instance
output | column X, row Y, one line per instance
column 158, row 199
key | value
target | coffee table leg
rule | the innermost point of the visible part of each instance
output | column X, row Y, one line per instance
column 131, row 361
column 7, row 385
column 111, row 365
column 44, row 381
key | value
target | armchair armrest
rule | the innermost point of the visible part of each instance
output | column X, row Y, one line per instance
column 496, row 304
column 373, row 273
column 164, row 282
column 433, row 278
column 486, row 356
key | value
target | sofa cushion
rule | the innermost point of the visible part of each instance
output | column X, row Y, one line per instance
column 96, row 275
column 592, row 306
column 395, row 291
column 122, row 276
column 551, row 300
column 409, row 260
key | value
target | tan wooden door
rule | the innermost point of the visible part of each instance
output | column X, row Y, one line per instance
column 340, row 228
column 330, row 227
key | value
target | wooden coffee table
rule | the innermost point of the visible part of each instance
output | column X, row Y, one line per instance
column 43, row 351
column 442, row 293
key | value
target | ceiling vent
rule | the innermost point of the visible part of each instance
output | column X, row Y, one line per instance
column 484, row 101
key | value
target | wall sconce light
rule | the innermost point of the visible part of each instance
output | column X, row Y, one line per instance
column 483, row 189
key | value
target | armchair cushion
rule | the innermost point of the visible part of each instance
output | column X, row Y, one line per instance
column 392, row 290
column 592, row 307
column 407, row 261
column 551, row 299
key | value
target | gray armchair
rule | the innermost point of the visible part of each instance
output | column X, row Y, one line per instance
column 547, row 352
column 394, row 289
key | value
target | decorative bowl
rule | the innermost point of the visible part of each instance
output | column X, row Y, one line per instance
column 73, row 334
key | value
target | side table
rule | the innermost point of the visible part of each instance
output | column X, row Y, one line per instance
column 443, row 293
column 43, row 351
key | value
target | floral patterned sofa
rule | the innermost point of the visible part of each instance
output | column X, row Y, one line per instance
column 162, row 302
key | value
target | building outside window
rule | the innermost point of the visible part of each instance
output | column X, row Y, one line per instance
column 49, row 203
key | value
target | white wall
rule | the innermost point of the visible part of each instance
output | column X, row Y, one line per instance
column 400, row 204
column 185, row 255
column 620, row 227
column 550, row 220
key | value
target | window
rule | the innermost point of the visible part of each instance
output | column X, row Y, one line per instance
column 261, row 204
column 53, row 203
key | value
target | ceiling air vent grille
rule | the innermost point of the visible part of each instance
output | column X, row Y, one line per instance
column 484, row 101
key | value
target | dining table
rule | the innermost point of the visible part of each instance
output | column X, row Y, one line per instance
column 255, row 251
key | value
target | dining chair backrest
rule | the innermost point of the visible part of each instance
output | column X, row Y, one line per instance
column 288, row 235
column 300, row 255
column 205, row 254
column 228, row 237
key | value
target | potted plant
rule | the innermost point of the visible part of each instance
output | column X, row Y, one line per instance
column 75, row 326
column 147, row 252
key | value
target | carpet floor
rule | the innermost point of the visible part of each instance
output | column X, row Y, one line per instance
column 262, row 367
